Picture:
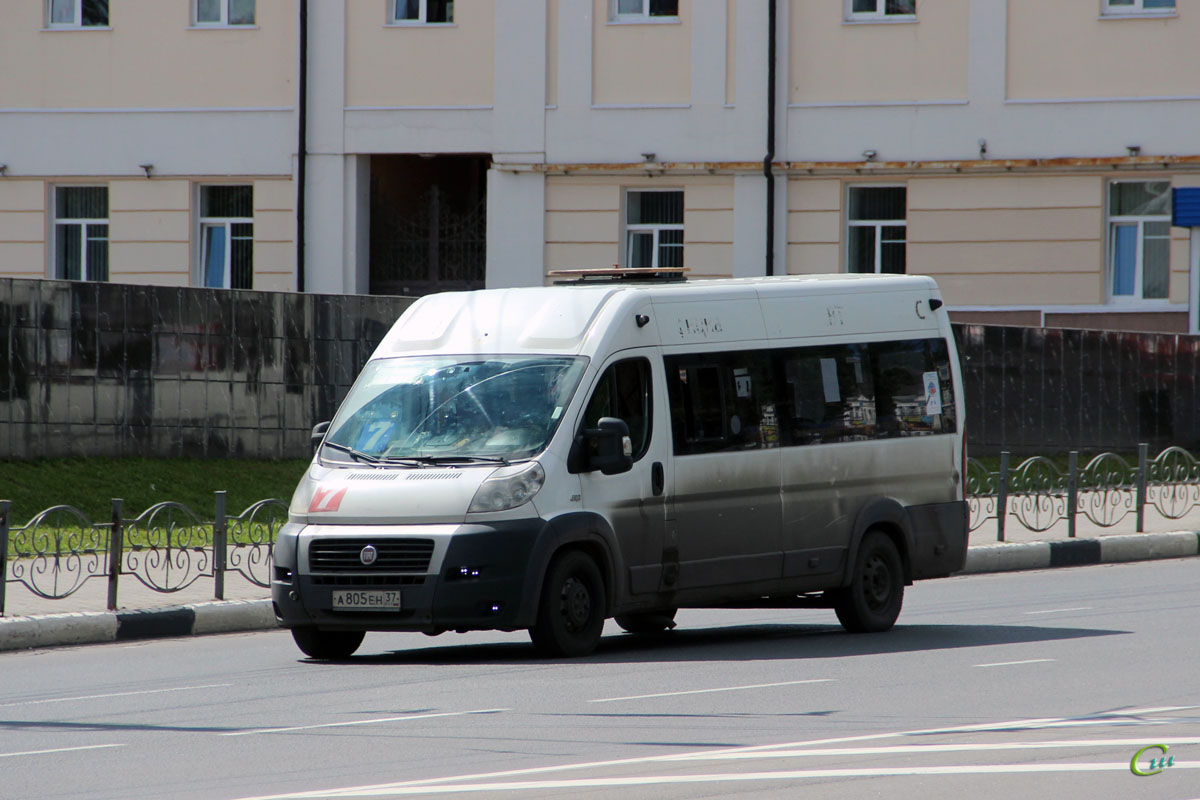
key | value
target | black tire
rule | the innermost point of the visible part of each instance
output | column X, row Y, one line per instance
column 572, row 609
column 316, row 643
column 647, row 622
column 872, row 601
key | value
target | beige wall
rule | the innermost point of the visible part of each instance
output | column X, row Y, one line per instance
column 274, row 235
column 1009, row 240
column 583, row 221
column 814, row 226
column 1065, row 49
column 151, row 230
column 835, row 62
column 391, row 66
column 640, row 64
column 551, row 52
column 994, row 240
column 22, row 228
column 150, row 58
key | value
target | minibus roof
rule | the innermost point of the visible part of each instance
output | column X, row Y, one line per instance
column 574, row 319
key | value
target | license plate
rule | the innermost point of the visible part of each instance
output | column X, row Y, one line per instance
column 366, row 601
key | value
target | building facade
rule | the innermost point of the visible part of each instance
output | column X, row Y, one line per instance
column 1023, row 153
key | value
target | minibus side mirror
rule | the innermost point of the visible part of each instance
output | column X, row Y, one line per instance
column 607, row 448
column 318, row 433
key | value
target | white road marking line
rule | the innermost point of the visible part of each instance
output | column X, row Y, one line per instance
column 1042, row 722
column 60, row 750
column 710, row 691
column 728, row 777
column 114, row 694
column 1016, row 663
column 406, row 718
column 1061, row 610
column 949, row 748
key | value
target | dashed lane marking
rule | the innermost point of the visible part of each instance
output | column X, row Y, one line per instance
column 377, row 721
column 711, row 691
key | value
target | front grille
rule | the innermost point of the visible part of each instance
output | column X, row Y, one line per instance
column 395, row 555
column 367, row 580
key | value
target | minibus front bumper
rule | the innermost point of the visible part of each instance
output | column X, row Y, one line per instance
column 477, row 578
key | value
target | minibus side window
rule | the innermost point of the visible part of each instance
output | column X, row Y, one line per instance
column 913, row 389
column 722, row 402
column 830, row 395
column 623, row 391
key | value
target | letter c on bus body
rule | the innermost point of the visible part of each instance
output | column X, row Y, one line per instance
column 1136, row 770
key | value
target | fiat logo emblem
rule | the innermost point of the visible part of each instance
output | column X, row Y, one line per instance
column 368, row 555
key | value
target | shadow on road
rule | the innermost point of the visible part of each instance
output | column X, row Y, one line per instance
column 743, row 643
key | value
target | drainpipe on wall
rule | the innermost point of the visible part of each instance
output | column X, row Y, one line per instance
column 770, row 157
column 302, row 145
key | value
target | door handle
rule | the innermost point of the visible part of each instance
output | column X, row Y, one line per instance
column 658, row 480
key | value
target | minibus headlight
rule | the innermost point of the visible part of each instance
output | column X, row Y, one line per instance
column 509, row 487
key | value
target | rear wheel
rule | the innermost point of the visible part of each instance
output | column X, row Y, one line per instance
column 872, row 601
column 572, row 609
column 647, row 622
column 316, row 643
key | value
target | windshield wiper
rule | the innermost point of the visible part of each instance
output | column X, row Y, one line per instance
column 357, row 455
column 443, row 460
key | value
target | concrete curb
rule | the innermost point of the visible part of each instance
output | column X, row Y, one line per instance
column 1006, row 557
column 229, row 616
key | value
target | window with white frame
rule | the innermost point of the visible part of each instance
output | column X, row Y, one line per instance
column 635, row 10
column 81, row 233
column 77, row 13
column 653, row 228
column 1139, row 240
column 1139, row 6
column 420, row 12
column 222, row 13
column 227, row 237
column 868, row 10
column 877, row 229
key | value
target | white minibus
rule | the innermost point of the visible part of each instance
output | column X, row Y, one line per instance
column 627, row 445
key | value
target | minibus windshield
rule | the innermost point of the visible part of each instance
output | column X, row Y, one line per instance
column 453, row 409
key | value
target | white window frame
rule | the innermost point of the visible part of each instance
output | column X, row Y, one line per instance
column 223, row 22
column 1136, row 8
column 1113, row 222
column 878, row 225
column 878, row 15
column 85, row 224
column 203, row 224
column 422, row 15
column 655, row 229
column 616, row 15
column 76, row 22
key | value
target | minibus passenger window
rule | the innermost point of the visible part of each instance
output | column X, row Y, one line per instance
column 830, row 394
column 914, row 390
column 721, row 406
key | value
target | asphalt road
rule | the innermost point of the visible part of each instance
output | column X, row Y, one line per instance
column 1036, row 684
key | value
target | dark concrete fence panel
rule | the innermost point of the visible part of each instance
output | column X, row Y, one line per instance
column 1050, row 390
column 106, row 369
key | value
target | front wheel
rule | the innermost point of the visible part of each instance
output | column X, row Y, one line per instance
column 316, row 643
column 572, row 609
column 871, row 603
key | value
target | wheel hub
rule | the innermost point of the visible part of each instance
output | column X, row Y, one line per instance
column 876, row 582
column 577, row 603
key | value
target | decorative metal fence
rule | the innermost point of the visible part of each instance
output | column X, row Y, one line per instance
column 1040, row 493
column 167, row 548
